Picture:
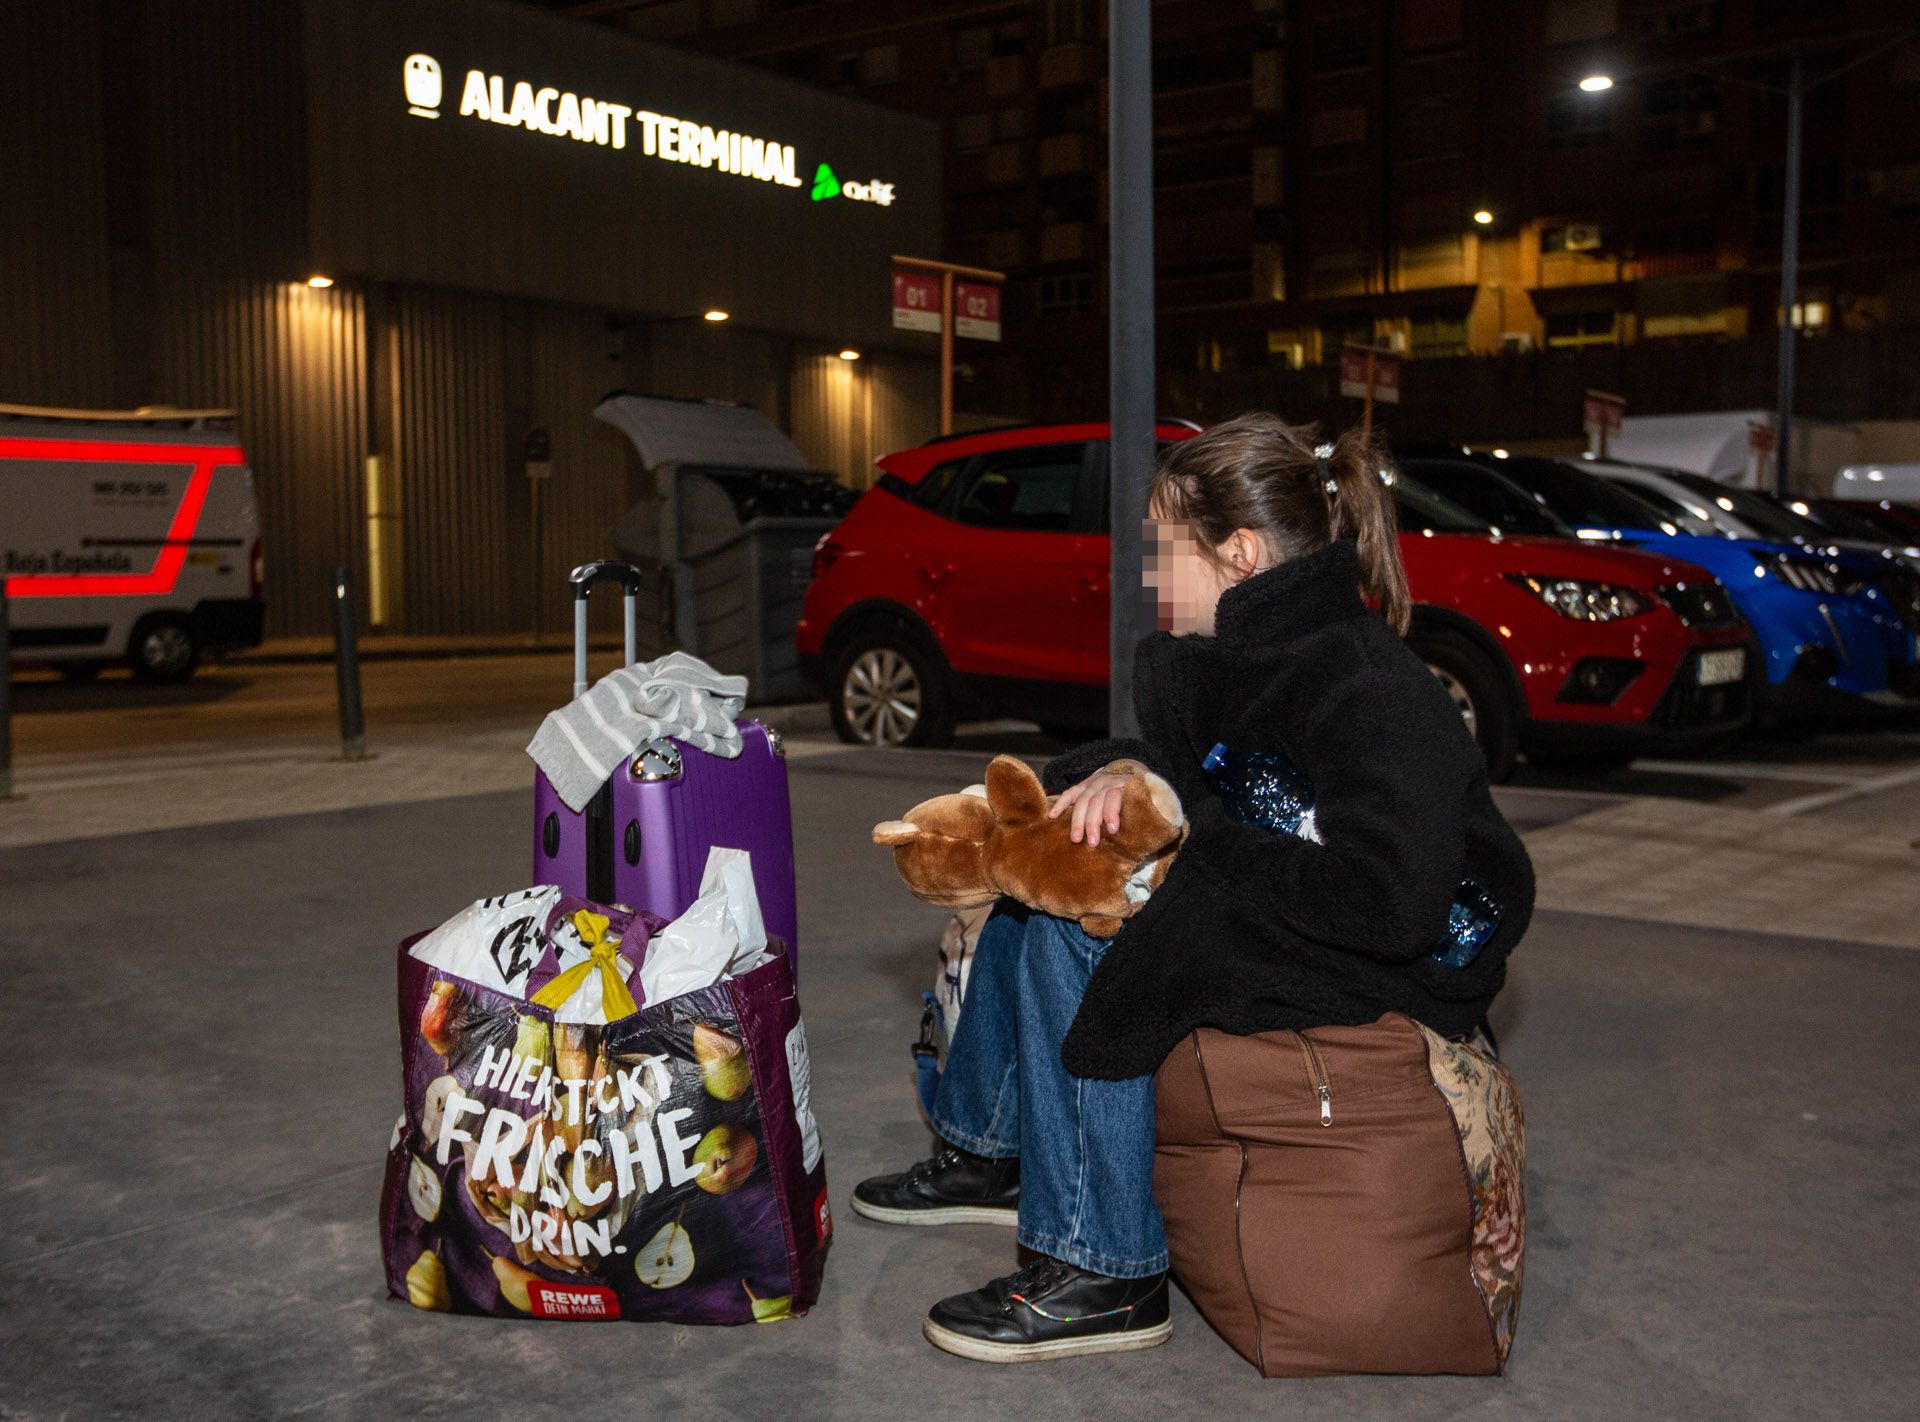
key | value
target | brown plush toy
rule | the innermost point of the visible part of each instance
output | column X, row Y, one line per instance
column 968, row 849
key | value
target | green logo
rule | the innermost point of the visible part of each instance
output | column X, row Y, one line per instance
column 825, row 185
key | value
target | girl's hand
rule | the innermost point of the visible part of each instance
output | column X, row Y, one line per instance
column 1095, row 803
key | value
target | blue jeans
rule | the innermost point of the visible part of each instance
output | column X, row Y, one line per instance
column 1085, row 1146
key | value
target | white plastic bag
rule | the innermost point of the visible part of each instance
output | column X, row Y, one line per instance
column 720, row 935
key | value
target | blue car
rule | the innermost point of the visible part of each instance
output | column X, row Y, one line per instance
column 1829, row 638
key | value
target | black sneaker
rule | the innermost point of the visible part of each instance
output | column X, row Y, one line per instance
column 954, row 1187
column 1051, row 1310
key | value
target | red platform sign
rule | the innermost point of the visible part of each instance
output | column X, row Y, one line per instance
column 976, row 310
column 916, row 301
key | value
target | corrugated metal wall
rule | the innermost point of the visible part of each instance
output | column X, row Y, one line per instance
column 292, row 361
column 846, row 414
column 450, row 422
column 54, row 332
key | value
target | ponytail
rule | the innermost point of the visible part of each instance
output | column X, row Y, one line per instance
column 1257, row 472
column 1363, row 510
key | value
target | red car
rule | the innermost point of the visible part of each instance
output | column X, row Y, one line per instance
column 971, row 581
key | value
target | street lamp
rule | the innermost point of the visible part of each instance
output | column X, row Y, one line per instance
column 715, row 315
column 849, row 354
column 1597, row 83
column 1483, row 217
column 318, row 282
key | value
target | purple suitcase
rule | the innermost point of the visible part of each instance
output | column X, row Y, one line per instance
column 643, row 839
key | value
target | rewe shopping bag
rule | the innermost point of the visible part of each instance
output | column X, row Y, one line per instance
column 572, row 1150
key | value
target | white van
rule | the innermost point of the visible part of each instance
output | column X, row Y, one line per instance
column 1874, row 482
column 128, row 535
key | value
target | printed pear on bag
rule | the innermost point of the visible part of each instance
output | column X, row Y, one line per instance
column 571, row 1149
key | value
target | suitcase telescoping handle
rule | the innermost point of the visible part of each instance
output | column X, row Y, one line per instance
column 583, row 578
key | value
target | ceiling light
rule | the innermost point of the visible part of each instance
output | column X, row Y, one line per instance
column 318, row 282
column 1597, row 83
column 1483, row 217
column 716, row 315
column 849, row 354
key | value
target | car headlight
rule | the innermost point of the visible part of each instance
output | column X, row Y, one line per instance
column 1584, row 600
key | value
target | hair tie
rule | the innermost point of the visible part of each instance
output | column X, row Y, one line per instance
column 1321, row 454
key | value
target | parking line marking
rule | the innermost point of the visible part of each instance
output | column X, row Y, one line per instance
column 1824, row 798
column 1741, row 771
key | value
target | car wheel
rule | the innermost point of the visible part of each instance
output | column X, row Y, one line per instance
column 1473, row 683
column 162, row 649
column 887, row 692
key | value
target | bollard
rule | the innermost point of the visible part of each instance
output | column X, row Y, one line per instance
column 346, row 669
column 6, row 698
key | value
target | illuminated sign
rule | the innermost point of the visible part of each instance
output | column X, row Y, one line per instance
column 559, row 113
column 827, row 185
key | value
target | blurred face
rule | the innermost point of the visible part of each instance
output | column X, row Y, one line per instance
column 1185, row 577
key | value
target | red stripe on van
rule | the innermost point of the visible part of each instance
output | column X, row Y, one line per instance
column 165, row 573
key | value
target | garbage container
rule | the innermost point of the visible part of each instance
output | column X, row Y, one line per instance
column 732, row 531
column 746, row 557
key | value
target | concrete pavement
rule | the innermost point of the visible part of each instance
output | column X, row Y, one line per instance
column 1722, row 1131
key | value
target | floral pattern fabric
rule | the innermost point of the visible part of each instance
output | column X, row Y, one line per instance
column 1493, row 1142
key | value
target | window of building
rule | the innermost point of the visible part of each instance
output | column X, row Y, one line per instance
column 1576, row 21
column 1906, row 66
column 1338, row 334
column 1682, row 109
column 1437, row 331
column 1574, row 329
column 1330, row 128
column 1066, row 291
column 722, row 13
column 1577, row 117
column 973, row 132
column 1903, row 187
column 1010, row 123
column 972, row 47
column 1432, row 24
column 1573, row 237
column 880, row 65
column 1067, row 21
column 1029, row 490
column 1812, row 316
column 1343, row 43
column 1692, row 20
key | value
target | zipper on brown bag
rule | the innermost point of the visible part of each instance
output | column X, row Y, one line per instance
column 1318, row 1073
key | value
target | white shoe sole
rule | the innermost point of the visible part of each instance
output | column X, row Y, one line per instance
column 951, row 1214
column 947, row 1341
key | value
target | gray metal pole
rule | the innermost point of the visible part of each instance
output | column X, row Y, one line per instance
column 1789, row 280
column 346, row 669
column 1130, row 388
column 6, row 697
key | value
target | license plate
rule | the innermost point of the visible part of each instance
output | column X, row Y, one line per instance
column 1719, row 668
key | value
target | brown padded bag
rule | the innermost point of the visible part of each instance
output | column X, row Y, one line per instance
column 1345, row 1199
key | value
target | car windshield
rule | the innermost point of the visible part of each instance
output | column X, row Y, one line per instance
column 1582, row 499
column 1488, row 494
column 1423, row 511
column 1767, row 517
column 1846, row 523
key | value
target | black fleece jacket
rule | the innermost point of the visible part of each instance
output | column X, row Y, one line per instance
column 1254, row 931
